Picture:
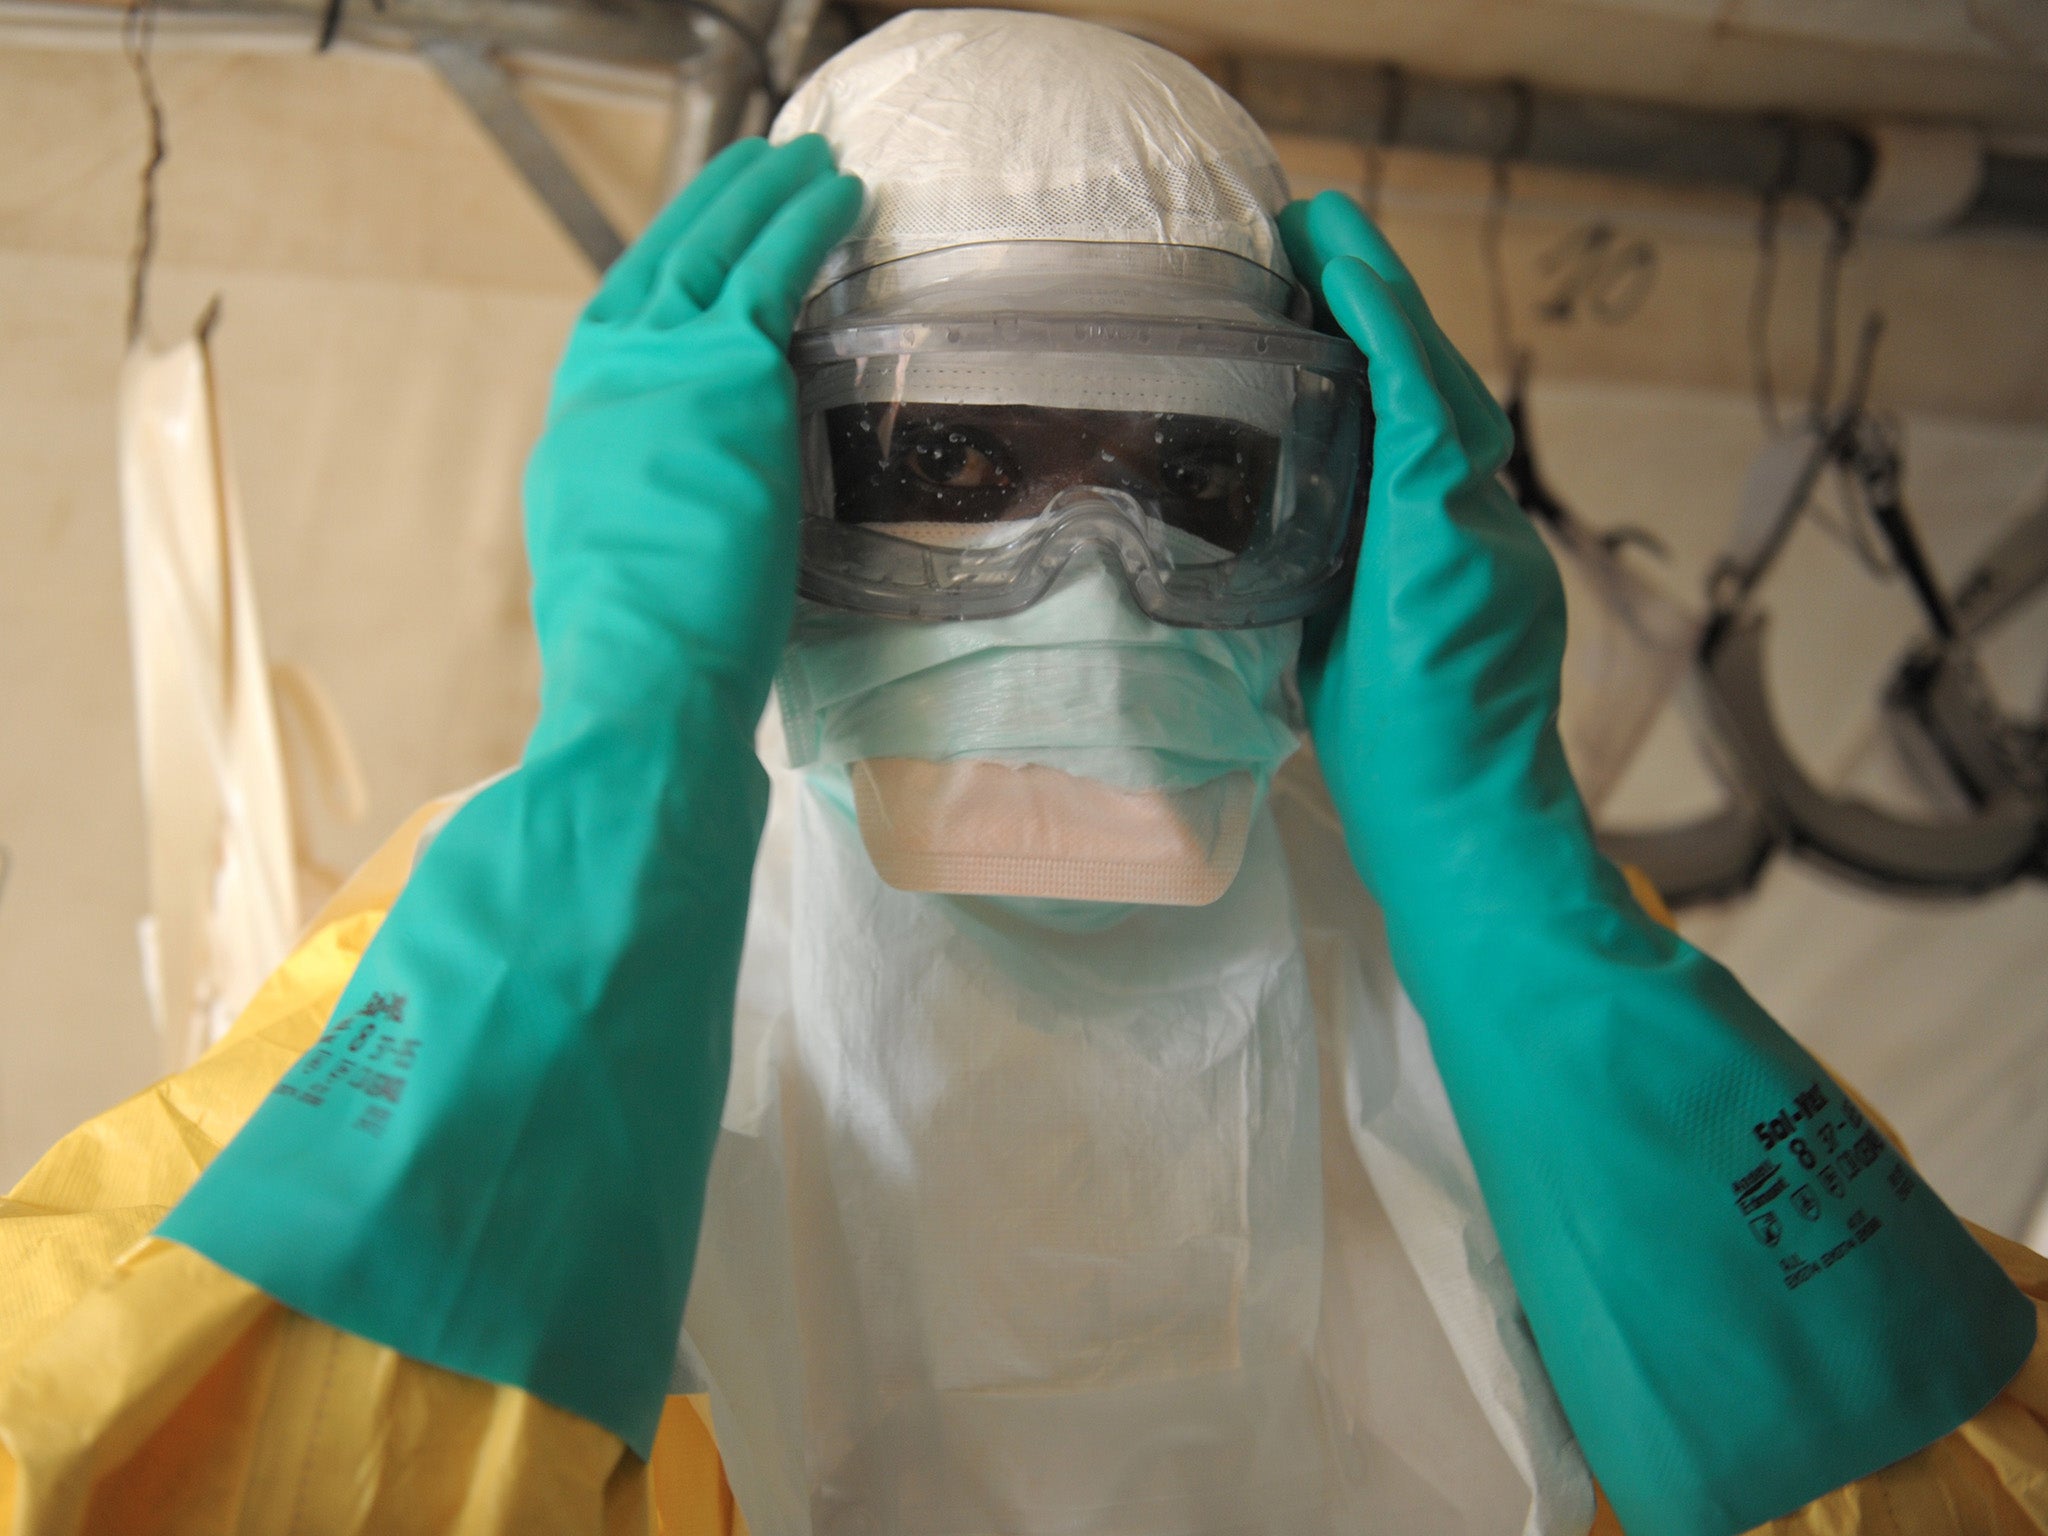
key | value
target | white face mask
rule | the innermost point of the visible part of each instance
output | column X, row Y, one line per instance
column 1077, row 751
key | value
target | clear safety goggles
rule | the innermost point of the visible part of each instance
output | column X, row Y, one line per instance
column 971, row 426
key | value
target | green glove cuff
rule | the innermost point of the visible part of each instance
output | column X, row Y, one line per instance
column 1744, row 1296
column 494, row 1158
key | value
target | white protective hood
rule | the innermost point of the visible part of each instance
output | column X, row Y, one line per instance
column 996, row 126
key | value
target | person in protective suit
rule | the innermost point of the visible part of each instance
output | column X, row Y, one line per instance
column 1065, row 1101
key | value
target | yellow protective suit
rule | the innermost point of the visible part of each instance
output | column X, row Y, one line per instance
column 144, row 1391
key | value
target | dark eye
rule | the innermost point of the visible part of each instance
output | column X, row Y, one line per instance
column 950, row 458
column 1202, row 477
column 1206, row 461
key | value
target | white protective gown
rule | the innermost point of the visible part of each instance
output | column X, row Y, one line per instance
column 1162, row 1230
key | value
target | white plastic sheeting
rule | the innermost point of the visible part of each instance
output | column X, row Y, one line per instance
column 223, row 894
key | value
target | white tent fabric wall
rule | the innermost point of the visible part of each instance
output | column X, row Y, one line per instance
column 393, row 304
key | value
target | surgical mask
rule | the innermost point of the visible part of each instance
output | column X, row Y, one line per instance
column 1076, row 751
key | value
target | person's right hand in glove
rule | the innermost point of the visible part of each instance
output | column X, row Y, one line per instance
column 1744, row 1296
column 495, row 1158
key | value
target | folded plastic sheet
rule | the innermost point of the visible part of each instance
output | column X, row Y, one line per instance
column 144, row 1391
column 223, row 888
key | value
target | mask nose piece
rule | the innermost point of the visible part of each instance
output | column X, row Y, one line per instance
column 1100, row 525
column 1090, row 504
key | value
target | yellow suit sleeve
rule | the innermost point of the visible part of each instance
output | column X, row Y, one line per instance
column 145, row 1391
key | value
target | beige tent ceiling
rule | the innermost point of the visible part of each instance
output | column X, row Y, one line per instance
column 1981, row 60
column 1968, row 313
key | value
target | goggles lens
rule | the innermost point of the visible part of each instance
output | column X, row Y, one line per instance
column 908, row 462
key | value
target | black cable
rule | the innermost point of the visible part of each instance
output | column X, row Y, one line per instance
column 1845, row 524
column 138, row 32
column 1841, row 235
column 1533, row 494
column 1514, row 144
column 1762, row 289
column 1521, row 121
column 1873, row 459
column 1763, row 286
column 330, row 24
column 1524, row 477
column 1386, row 132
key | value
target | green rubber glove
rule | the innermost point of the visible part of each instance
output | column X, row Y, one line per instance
column 495, row 1157
column 1744, row 1297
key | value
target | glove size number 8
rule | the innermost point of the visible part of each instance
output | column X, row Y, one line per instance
column 1779, row 1205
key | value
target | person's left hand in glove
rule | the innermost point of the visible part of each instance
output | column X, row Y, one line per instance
column 494, row 1159
column 1736, row 1322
